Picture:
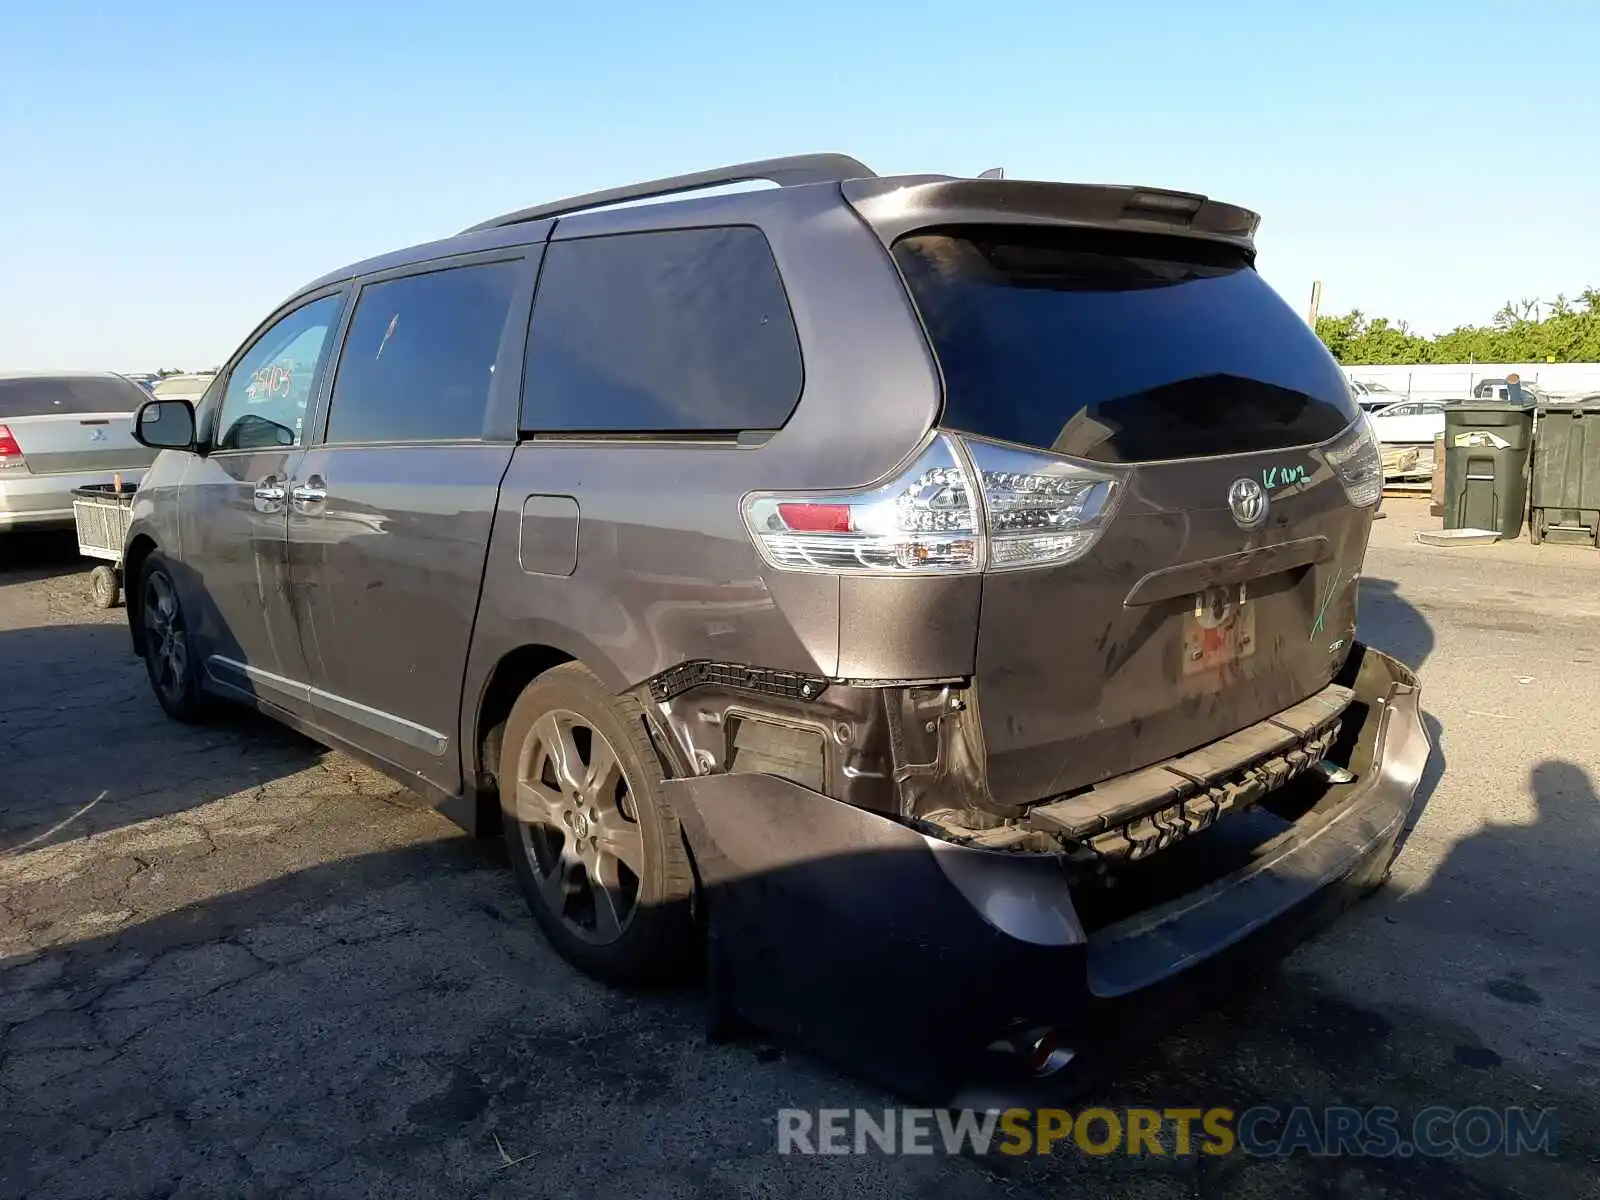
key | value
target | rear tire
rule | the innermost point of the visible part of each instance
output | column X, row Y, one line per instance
column 169, row 656
column 103, row 587
column 593, row 842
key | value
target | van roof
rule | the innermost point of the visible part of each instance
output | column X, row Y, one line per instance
column 891, row 204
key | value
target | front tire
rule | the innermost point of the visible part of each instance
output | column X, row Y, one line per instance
column 169, row 657
column 594, row 844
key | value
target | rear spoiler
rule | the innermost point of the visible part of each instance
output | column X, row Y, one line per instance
column 894, row 207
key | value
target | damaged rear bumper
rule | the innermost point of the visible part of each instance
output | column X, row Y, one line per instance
column 904, row 957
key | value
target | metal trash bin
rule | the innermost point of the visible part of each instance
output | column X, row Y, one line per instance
column 1565, row 477
column 1486, row 445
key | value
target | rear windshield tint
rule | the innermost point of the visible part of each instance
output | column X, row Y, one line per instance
column 47, row 395
column 1118, row 347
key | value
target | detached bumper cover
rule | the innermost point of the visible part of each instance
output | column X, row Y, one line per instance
column 1334, row 847
column 901, row 956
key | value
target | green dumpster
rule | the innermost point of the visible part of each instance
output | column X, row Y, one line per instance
column 1486, row 445
column 1565, row 478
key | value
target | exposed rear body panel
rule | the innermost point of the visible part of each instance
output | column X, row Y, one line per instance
column 1087, row 671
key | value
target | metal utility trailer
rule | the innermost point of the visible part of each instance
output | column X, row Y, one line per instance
column 102, row 512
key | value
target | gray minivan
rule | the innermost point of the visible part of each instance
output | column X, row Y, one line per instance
column 931, row 600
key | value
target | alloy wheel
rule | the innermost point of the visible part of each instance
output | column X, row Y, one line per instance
column 580, row 827
column 166, row 647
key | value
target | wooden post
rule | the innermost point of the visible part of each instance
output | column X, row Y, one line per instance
column 1316, row 303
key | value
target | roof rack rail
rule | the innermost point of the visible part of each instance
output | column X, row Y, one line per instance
column 785, row 172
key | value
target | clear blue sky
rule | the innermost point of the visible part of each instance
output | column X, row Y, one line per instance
column 171, row 169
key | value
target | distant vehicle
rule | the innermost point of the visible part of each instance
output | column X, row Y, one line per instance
column 1410, row 421
column 64, row 431
column 1373, row 396
column 1500, row 389
column 182, row 387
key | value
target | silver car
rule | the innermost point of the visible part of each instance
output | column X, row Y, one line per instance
column 64, row 431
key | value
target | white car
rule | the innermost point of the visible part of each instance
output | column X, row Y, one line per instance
column 1373, row 396
column 1411, row 422
column 183, row 387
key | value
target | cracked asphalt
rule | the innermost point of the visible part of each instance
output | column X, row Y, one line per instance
column 235, row 964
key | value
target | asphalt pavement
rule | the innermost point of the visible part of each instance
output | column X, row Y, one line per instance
column 233, row 963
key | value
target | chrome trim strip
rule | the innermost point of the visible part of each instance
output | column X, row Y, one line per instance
column 266, row 679
column 419, row 737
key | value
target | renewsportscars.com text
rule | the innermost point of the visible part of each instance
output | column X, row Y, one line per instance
column 1261, row 1131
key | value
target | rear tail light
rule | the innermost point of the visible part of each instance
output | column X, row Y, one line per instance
column 1040, row 509
column 1357, row 461
column 10, row 452
column 924, row 522
column 1026, row 510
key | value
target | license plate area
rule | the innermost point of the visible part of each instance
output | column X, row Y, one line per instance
column 1219, row 632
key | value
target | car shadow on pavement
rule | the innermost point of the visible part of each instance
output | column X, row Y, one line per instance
column 31, row 555
column 84, row 747
column 1548, row 860
column 1391, row 623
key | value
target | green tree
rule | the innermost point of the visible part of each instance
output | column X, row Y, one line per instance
column 1524, row 330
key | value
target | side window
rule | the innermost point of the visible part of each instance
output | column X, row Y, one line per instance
column 681, row 331
column 418, row 362
column 264, row 404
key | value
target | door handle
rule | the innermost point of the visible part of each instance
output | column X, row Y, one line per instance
column 269, row 494
column 310, row 496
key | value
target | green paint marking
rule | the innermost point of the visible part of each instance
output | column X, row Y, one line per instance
column 1272, row 477
column 1323, row 611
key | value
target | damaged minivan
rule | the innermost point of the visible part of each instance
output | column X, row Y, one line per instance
column 930, row 602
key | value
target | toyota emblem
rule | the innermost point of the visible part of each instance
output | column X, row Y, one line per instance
column 1248, row 500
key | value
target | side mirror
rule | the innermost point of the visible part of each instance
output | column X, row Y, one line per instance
column 165, row 425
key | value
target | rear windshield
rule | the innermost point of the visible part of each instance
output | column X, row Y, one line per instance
column 1118, row 347
column 47, row 395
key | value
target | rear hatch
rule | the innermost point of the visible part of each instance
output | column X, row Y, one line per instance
column 73, row 424
column 1220, row 587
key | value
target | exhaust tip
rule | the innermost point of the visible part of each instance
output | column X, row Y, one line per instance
column 1334, row 773
column 1047, row 1056
column 1035, row 1053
